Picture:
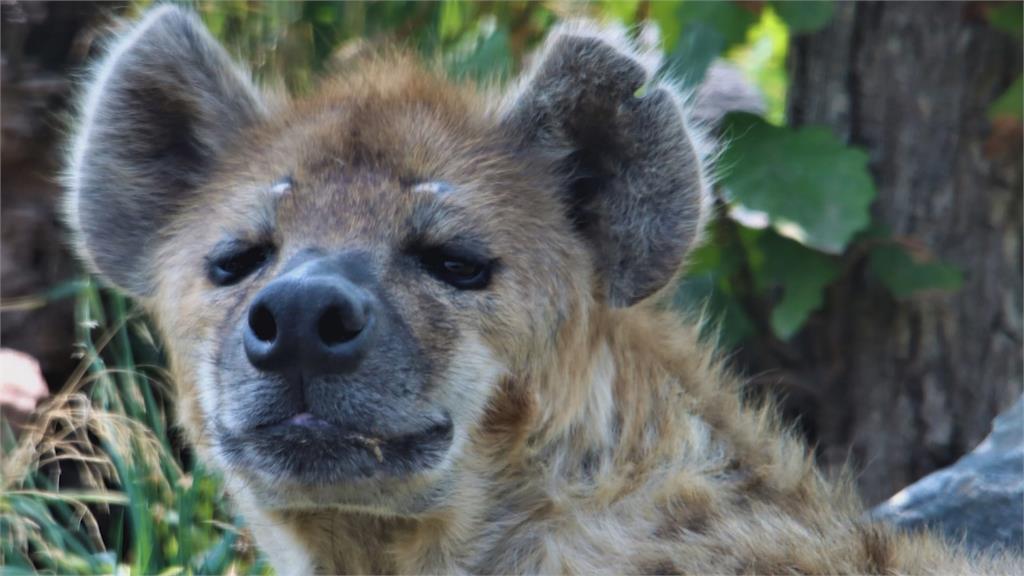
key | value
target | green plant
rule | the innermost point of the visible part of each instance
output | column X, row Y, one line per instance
column 793, row 204
column 100, row 484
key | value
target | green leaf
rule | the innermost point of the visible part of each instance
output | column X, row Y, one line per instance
column 489, row 58
column 699, row 32
column 727, row 18
column 707, row 290
column 1008, row 17
column 762, row 58
column 793, row 274
column 1011, row 103
column 804, row 17
column 697, row 48
column 707, row 296
column 714, row 257
column 814, row 189
column 905, row 276
column 451, row 19
column 664, row 14
column 621, row 10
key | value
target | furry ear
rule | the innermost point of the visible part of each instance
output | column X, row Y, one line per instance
column 164, row 104
column 636, row 179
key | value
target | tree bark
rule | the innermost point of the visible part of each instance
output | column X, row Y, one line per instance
column 42, row 45
column 901, row 388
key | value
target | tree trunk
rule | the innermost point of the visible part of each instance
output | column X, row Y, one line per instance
column 901, row 388
column 41, row 46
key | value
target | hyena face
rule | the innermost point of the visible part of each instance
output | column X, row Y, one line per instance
column 344, row 282
column 344, row 297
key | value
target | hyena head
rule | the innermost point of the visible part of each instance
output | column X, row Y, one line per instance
column 345, row 281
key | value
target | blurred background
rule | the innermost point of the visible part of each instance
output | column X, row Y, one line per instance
column 864, row 264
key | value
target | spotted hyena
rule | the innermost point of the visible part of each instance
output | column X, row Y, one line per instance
column 417, row 325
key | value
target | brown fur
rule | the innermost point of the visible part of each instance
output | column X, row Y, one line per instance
column 607, row 438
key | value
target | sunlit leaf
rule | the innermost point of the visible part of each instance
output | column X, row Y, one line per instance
column 451, row 19
column 815, row 189
column 664, row 15
column 621, row 10
column 762, row 58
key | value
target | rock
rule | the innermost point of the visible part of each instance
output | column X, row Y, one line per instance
column 978, row 500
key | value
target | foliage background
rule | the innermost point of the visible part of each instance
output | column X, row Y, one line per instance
column 102, row 482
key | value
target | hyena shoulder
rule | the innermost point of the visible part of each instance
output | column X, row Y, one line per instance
column 420, row 327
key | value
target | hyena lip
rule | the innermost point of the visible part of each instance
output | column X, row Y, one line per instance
column 307, row 449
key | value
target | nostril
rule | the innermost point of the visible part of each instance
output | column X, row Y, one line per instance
column 262, row 324
column 335, row 328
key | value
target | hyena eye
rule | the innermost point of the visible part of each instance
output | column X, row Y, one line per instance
column 459, row 270
column 234, row 262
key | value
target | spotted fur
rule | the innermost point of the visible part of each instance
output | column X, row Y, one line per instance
column 593, row 431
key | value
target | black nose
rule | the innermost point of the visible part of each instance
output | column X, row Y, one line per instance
column 309, row 324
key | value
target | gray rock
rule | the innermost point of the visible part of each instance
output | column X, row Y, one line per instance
column 979, row 500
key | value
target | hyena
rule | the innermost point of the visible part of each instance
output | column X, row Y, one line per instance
column 420, row 326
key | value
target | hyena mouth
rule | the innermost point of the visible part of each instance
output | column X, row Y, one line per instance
column 323, row 381
column 306, row 449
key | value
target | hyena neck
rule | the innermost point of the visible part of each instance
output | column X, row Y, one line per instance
column 603, row 431
column 618, row 389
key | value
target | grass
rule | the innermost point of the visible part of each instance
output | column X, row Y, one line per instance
column 100, row 484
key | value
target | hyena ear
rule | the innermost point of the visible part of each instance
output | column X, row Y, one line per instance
column 636, row 185
column 164, row 104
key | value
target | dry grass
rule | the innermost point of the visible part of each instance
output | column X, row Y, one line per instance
column 97, row 483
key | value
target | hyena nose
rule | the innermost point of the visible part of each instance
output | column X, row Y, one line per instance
column 309, row 325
